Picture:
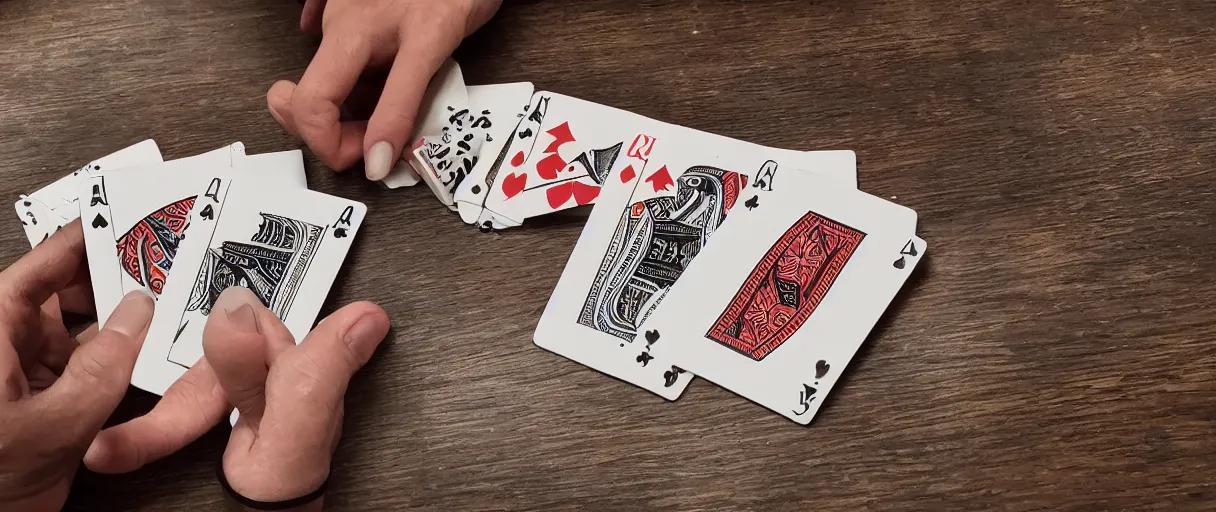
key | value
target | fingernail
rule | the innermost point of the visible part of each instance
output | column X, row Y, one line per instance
column 378, row 161
column 365, row 330
column 132, row 314
column 243, row 318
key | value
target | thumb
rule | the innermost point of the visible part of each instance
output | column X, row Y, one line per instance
column 97, row 375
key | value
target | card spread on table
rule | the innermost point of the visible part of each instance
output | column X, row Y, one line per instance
column 648, row 225
column 559, row 155
column 286, row 247
column 761, row 270
column 142, row 212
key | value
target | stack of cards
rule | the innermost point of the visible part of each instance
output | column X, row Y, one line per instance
column 760, row 269
column 185, row 230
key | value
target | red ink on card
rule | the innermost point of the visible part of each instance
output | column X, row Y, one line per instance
column 561, row 135
column 661, row 179
column 559, row 194
column 786, row 286
column 549, row 166
column 585, row 194
column 513, row 184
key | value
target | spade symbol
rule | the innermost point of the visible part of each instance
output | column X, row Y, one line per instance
column 207, row 213
column 670, row 376
column 100, row 222
column 899, row 263
column 652, row 336
column 340, row 233
column 752, row 203
column 821, row 369
column 644, row 358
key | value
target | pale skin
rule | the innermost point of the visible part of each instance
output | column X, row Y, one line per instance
column 360, row 39
column 58, row 389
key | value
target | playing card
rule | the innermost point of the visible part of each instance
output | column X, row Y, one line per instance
column 445, row 161
column 785, row 293
column 285, row 165
column 54, row 206
column 650, row 222
column 560, row 152
column 285, row 247
column 444, row 97
column 135, row 218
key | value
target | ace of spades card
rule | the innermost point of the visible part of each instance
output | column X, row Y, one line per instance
column 135, row 218
column 777, row 304
column 444, row 162
column 50, row 208
column 285, row 247
column 639, row 239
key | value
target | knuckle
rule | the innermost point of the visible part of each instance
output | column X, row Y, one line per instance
column 90, row 369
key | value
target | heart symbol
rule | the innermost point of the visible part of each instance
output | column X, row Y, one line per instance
column 559, row 194
column 549, row 166
column 652, row 336
column 628, row 174
column 99, row 222
column 821, row 369
column 513, row 184
column 585, row 194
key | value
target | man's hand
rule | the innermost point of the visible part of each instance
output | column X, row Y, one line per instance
column 413, row 37
column 57, row 390
column 290, row 397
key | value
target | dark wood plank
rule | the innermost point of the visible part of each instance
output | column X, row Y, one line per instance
column 1053, row 353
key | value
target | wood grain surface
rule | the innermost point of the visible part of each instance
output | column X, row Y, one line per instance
column 1055, row 350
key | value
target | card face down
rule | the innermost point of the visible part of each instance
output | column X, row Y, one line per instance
column 640, row 237
column 286, row 247
column 560, row 152
column 54, row 206
column 135, row 218
column 792, row 283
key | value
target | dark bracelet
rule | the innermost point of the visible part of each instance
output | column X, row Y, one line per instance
column 267, row 505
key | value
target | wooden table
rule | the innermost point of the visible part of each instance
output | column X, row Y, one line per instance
column 1054, row 352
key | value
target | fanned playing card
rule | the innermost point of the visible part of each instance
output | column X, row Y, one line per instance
column 654, row 216
column 778, row 302
column 286, row 247
column 444, row 162
column 44, row 212
column 559, row 155
column 135, row 218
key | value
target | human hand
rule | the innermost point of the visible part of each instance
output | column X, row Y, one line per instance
column 57, row 390
column 413, row 37
column 290, row 397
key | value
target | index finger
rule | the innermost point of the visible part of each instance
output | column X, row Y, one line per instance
column 46, row 269
column 316, row 101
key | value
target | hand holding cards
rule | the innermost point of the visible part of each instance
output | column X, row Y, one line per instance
column 184, row 230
